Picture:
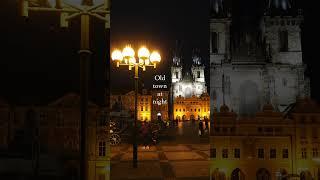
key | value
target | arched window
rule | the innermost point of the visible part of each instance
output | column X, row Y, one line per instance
column 214, row 42
column 283, row 41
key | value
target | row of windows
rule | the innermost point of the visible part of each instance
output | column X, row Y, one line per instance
column 177, row 74
column 224, row 129
column 144, row 109
column 260, row 153
column 183, row 102
column 304, row 154
column 184, row 110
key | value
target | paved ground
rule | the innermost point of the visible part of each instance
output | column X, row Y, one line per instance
column 180, row 161
column 184, row 155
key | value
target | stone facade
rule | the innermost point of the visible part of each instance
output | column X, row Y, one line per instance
column 55, row 128
column 126, row 102
column 270, row 145
column 192, row 108
column 249, row 68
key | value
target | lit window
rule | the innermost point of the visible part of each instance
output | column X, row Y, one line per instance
column 260, row 153
column 304, row 153
column 141, row 108
column 273, row 153
column 315, row 152
column 224, row 153
column 285, row 153
column 237, row 153
column 102, row 148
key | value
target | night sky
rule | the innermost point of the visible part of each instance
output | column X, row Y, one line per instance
column 39, row 61
column 159, row 25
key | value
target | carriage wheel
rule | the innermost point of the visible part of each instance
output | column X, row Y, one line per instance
column 115, row 139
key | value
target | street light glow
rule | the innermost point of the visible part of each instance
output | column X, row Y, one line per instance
column 128, row 52
column 155, row 57
column 117, row 55
column 127, row 58
column 143, row 53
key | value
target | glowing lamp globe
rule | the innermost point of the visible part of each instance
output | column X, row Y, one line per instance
column 143, row 53
column 128, row 52
column 116, row 55
column 155, row 57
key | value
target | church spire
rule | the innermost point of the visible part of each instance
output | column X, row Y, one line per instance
column 196, row 58
column 218, row 8
column 279, row 7
column 176, row 60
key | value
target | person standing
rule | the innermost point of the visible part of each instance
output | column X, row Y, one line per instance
column 206, row 122
column 144, row 134
column 200, row 127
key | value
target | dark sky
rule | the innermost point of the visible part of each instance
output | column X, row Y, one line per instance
column 159, row 25
column 39, row 60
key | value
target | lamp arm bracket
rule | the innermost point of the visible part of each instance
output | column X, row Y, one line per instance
column 74, row 7
column 72, row 16
column 98, row 16
column 51, row 9
column 95, row 7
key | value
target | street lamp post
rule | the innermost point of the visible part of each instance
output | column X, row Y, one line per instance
column 145, row 59
column 68, row 10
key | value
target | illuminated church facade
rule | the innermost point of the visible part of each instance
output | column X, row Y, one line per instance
column 251, row 63
column 190, row 98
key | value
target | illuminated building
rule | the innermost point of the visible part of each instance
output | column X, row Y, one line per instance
column 270, row 145
column 190, row 98
column 126, row 102
column 192, row 108
column 57, row 140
